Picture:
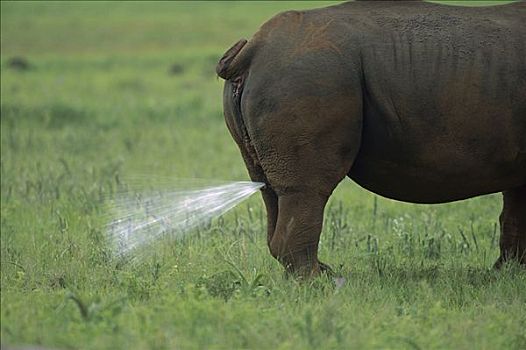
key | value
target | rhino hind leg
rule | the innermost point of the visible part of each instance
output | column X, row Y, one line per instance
column 271, row 205
column 270, row 197
column 302, row 182
column 513, row 227
column 303, row 178
column 297, row 233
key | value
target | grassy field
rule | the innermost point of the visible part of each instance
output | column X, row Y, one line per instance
column 114, row 90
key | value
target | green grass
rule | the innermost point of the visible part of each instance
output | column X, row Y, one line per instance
column 98, row 104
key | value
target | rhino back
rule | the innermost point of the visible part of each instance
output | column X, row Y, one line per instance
column 444, row 100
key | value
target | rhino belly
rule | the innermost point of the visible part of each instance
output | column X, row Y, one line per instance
column 427, row 168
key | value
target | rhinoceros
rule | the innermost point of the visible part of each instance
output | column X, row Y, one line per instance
column 414, row 101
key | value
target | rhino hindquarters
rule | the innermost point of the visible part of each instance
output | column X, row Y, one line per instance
column 305, row 146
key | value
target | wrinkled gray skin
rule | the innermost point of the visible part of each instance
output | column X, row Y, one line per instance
column 414, row 101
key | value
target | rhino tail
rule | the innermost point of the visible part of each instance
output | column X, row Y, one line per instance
column 236, row 60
